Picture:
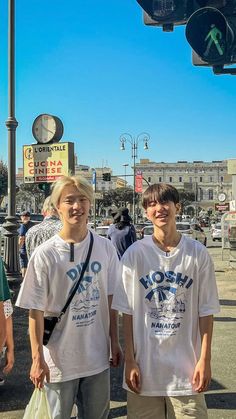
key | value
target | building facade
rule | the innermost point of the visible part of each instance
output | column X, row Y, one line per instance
column 207, row 180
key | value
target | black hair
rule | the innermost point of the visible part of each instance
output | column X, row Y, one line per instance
column 160, row 192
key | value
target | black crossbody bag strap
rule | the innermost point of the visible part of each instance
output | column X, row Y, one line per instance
column 80, row 278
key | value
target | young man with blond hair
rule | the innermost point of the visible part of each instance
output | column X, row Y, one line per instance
column 75, row 361
column 168, row 296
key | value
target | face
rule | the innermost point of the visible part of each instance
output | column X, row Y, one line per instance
column 25, row 219
column 162, row 214
column 73, row 207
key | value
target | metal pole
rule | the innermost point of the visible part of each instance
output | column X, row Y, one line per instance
column 11, row 252
column 134, row 145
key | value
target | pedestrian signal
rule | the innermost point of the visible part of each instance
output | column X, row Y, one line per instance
column 211, row 36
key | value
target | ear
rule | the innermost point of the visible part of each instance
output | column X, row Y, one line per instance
column 178, row 207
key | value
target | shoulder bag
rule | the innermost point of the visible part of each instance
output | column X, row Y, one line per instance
column 50, row 322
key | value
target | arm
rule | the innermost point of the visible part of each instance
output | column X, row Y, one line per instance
column 39, row 369
column 116, row 352
column 10, row 346
column 2, row 326
column 202, row 372
column 132, row 371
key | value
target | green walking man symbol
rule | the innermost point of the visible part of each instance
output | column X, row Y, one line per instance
column 214, row 36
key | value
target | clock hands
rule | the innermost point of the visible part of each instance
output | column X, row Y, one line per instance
column 46, row 128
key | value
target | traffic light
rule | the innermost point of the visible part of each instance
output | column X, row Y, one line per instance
column 211, row 32
column 166, row 13
column 106, row 177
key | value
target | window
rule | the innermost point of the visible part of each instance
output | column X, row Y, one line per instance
column 210, row 194
column 200, row 179
column 170, row 179
column 210, row 178
column 222, row 178
column 190, row 179
column 180, row 179
column 149, row 179
column 160, row 179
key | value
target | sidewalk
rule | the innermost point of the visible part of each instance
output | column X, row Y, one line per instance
column 221, row 398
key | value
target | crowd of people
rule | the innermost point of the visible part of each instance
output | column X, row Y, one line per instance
column 163, row 286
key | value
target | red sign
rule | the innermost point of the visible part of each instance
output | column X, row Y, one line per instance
column 139, row 182
column 222, row 207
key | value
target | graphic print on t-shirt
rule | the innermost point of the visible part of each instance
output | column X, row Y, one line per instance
column 166, row 299
column 86, row 299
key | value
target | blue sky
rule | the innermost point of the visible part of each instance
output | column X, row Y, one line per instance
column 96, row 66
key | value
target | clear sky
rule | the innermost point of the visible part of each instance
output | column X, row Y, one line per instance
column 96, row 66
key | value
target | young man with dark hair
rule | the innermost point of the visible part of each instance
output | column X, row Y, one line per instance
column 168, row 296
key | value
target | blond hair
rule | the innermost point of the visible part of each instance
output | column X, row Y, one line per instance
column 79, row 182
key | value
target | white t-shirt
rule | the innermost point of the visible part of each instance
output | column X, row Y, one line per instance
column 166, row 295
column 79, row 345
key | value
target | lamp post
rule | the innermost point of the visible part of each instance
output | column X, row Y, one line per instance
column 126, row 137
column 125, row 166
column 11, row 257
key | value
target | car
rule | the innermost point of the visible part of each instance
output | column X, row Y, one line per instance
column 216, row 233
column 138, row 228
column 147, row 230
column 102, row 230
column 193, row 230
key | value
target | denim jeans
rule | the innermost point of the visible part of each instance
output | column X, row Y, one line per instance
column 91, row 394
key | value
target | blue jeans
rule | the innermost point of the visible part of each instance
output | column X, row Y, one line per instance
column 91, row 394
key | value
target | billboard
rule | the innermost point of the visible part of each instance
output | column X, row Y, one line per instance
column 47, row 163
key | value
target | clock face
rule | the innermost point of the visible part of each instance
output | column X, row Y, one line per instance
column 222, row 197
column 44, row 128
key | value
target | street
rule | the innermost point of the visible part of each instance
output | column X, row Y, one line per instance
column 221, row 397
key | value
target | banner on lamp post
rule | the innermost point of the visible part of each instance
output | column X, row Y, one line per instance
column 139, row 182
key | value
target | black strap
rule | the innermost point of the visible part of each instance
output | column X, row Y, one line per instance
column 80, row 278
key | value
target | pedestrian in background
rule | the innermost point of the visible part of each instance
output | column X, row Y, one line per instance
column 4, row 295
column 76, row 358
column 122, row 233
column 24, row 227
column 43, row 231
column 7, row 355
column 168, row 296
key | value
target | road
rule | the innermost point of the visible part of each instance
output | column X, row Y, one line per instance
column 221, row 397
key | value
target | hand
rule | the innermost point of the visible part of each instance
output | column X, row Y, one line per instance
column 202, row 376
column 39, row 370
column 116, row 355
column 10, row 359
column 133, row 376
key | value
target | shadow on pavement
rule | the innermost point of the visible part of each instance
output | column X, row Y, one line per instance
column 230, row 303
column 224, row 401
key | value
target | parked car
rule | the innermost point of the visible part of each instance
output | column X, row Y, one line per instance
column 147, row 231
column 216, row 233
column 139, row 228
column 193, row 230
column 102, row 230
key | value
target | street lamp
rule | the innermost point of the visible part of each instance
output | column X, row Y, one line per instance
column 126, row 137
column 125, row 166
column 11, row 258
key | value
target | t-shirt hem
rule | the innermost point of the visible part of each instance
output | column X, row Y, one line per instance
column 210, row 312
column 79, row 375
column 166, row 393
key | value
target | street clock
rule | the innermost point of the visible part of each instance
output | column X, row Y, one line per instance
column 47, row 129
column 222, row 197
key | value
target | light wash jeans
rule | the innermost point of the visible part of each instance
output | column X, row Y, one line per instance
column 90, row 394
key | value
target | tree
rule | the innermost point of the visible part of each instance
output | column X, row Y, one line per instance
column 30, row 193
column 3, row 180
column 186, row 198
column 118, row 197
